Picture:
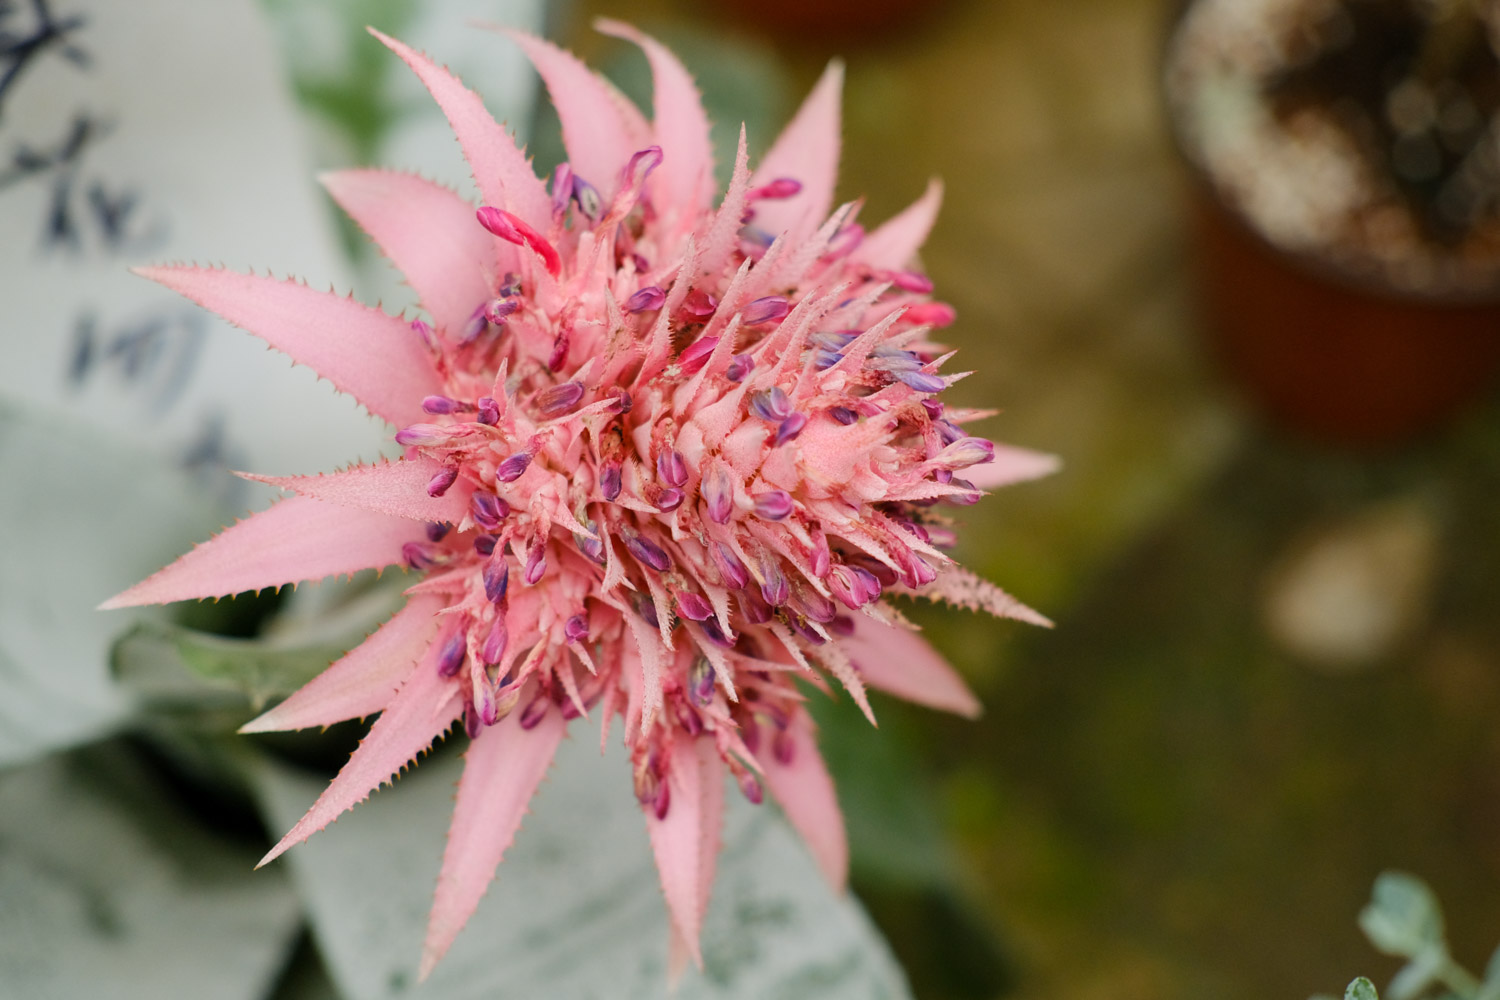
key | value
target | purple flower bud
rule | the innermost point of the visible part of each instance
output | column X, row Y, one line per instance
column 641, row 165
column 562, row 188
column 496, row 310
column 669, row 499
column 592, row 548
column 734, row 572
column 476, row 326
column 781, row 187
column 694, row 606
column 438, row 530
column 842, row 626
column 663, row 801
column 783, row 748
column 533, row 713
column 559, row 355
column 499, row 223
column 488, row 510
column 749, row 734
column 765, row 309
column 472, row 726
column 692, row 360
column 648, row 552
column 771, row 406
column 944, row 476
column 495, row 643
column 754, row 608
column 922, row 382
column 688, row 719
column 750, row 788
column 452, row 656
column 934, row 408
column 647, row 299
column 916, row 529
column 559, row 399
column 716, row 635
column 966, row 452
column 740, row 366
column 646, row 608
column 509, row 285
column 824, row 359
column 790, row 428
column 894, row 359
column 438, row 484
column 623, row 402
column 701, row 682
column 587, row 196
column 774, row 587
column 718, row 494
column 422, row 436
column 419, row 555
column 489, row 411
column 671, row 468
column 536, row 564
column 949, row 432
column 846, row 587
column 609, row 481
column 423, row 329
column 575, row 628
column 513, row 468
column 642, row 265
column 968, row 498
column 496, row 579
column 815, row 606
column 773, row 505
column 843, row 415
column 484, row 544
column 441, row 404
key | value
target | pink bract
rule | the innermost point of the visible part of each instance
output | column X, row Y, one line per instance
column 665, row 455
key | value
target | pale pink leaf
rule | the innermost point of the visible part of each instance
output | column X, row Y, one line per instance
column 1011, row 465
column 680, row 126
column 422, row 710
column 807, row 151
column 723, row 235
column 501, row 170
column 600, row 127
column 686, row 842
column 364, row 680
column 502, row 770
column 374, row 357
column 805, row 791
column 295, row 539
column 900, row 662
column 894, row 243
column 395, row 488
column 428, row 233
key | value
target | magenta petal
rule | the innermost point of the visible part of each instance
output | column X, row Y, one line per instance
column 372, row 356
column 681, row 129
column 807, row 151
column 363, row 681
column 600, row 127
column 395, row 488
column 422, row 710
column 427, row 231
column 896, row 241
column 502, row 770
column 900, row 662
column 295, row 539
column 501, row 170
column 686, row 842
column 805, row 793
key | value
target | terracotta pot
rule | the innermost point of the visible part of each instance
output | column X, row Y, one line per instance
column 1342, row 358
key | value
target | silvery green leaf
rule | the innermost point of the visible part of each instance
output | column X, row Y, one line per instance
column 109, row 889
column 1361, row 989
column 1403, row 917
column 89, row 516
column 576, row 911
column 1419, row 974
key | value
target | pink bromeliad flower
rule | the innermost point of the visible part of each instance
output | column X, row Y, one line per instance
column 664, row 457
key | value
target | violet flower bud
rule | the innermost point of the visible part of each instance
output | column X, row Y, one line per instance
column 790, row 428
column 496, row 310
column 740, row 365
column 750, row 787
column 513, row 468
column 484, row 544
column 765, row 309
column 646, row 608
column 609, row 481
column 534, row 712
column 423, row 329
column 439, row 483
column 489, row 411
column 922, row 382
column 575, row 628
column 774, row 587
column 966, row 452
column 495, row 642
column 648, row 552
column 718, row 494
column 422, row 436
column 488, row 510
column 773, row 505
column 694, row 606
column 669, row 499
column 843, row 415
column 772, row 406
column 736, row 576
column 783, row 748
column 452, row 656
column 820, row 556
column 536, row 564
column 754, row 608
column 496, row 578
column 438, row 530
column 646, row 300
column 671, row 469
column 556, row 400
column 562, row 188
column 440, row 404
column 701, row 682
column 842, row 626
column 587, row 197
column 419, row 555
